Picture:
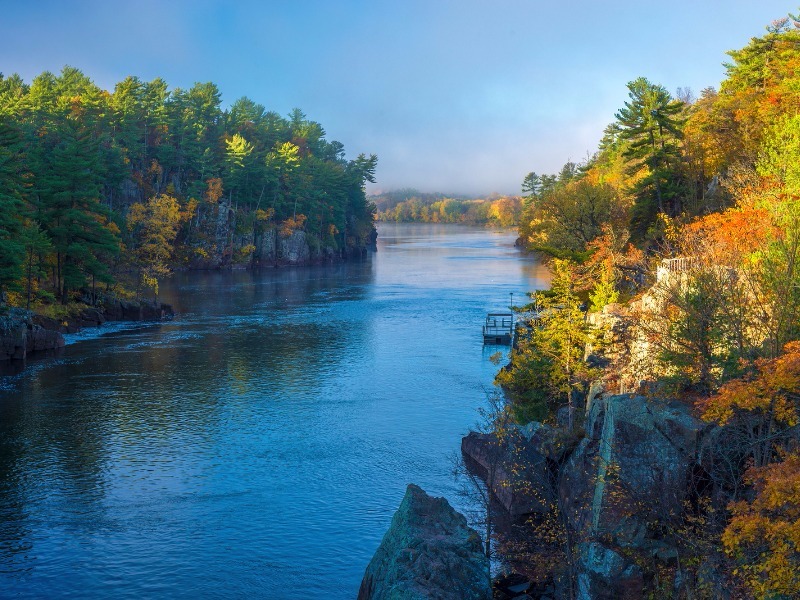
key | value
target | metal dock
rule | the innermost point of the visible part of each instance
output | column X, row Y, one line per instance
column 498, row 329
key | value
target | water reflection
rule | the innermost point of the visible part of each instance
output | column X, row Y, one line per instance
column 262, row 439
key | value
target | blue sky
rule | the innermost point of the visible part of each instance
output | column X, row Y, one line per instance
column 460, row 96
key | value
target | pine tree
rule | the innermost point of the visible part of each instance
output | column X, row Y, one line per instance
column 69, row 208
column 650, row 124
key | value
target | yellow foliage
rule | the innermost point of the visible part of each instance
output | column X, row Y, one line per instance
column 189, row 210
column 155, row 226
column 772, row 390
column 764, row 535
column 265, row 215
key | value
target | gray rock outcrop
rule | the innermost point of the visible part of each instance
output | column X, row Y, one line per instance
column 605, row 574
column 520, row 467
column 294, row 249
column 20, row 335
column 429, row 551
column 23, row 332
column 633, row 469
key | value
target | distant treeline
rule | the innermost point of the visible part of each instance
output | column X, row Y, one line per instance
column 503, row 211
column 95, row 184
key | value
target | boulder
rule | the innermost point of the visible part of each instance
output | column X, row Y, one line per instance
column 520, row 468
column 429, row 551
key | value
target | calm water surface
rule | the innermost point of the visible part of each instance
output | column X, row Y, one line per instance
column 258, row 444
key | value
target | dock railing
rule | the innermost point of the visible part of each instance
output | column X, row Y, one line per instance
column 499, row 328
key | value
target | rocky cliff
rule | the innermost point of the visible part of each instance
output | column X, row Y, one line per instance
column 625, row 491
column 271, row 248
column 429, row 551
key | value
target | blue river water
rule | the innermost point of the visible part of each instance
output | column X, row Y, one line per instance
column 257, row 445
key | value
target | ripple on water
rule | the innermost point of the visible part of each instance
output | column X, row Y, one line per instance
column 258, row 444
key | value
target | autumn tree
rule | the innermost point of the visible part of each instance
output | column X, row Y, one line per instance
column 764, row 407
column 562, row 222
column 763, row 537
column 153, row 226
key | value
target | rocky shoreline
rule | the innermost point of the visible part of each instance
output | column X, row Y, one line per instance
column 623, row 483
column 23, row 332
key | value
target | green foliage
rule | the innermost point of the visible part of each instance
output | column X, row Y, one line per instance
column 650, row 123
column 12, row 173
column 547, row 364
column 780, row 152
column 701, row 349
column 565, row 219
column 605, row 291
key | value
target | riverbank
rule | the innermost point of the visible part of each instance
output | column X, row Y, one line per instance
column 24, row 332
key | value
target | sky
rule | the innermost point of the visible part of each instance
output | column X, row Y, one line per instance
column 454, row 96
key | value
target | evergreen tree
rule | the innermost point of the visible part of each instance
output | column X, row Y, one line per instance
column 650, row 124
column 12, row 172
column 69, row 208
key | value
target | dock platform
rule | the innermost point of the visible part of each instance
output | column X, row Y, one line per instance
column 498, row 329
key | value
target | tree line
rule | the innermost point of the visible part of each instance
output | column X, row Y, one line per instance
column 99, row 186
column 502, row 211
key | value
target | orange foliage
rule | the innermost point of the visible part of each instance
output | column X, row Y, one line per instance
column 724, row 238
column 214, row 190
column 613, row 255
column 292, row 224
column 764, row 535
column 774, row 390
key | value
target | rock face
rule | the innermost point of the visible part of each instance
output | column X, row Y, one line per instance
column 271, row 248
column 429, row 551
column 520, row 468
column 633, row 468
column 605, row 574
column 19, row 335
column 621, row 490
column 294, row 249
column 23, row 332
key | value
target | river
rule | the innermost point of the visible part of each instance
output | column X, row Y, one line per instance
column 257, row 445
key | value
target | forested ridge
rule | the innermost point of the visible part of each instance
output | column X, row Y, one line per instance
column 681, row 238
column 112, row 189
